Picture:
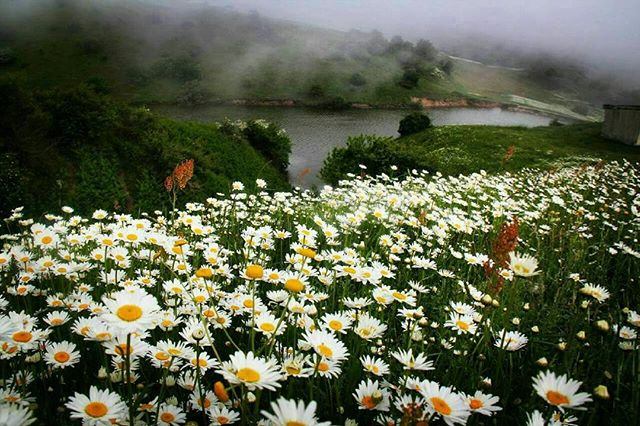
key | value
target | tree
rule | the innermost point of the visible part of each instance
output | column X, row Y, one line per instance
column 357, row 80
column 425, row 50
column 447, row 66
column 414, row 123
column 409, row 79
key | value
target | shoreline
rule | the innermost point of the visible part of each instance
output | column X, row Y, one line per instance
column 416, row 103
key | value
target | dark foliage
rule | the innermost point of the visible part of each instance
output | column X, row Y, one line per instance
column 414, row 123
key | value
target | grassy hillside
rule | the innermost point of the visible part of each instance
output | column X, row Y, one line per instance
column 453, row 150
column 80, row 148
column 192, row 54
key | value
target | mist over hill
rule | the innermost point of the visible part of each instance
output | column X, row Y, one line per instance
column 196, row 52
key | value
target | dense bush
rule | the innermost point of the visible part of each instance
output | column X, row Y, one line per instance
column 376, row 153
column 357, row 80
column 184, row 68
column 409, row 79
column 414, row 123
column 271, row 141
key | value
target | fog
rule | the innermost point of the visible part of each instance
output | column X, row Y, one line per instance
column 604, row 35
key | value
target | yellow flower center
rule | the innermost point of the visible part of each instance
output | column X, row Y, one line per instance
column 254, row 271
column 129, row 313
column 294, row 423
column 204, row 273
column 556, row 398
column 462, row 325
column 47, row 240
column 325, row 351
column 369, row 402
column 96, row 409
column 292, row 370
column 268, row 327
column 474, row 404
column 61, row 357
column 294, row 285
column 167, row 417
column 307, row 252
column 248, row 375
column 22, row 336
column 441, row 406
column 335, row 325
column 399, row 295
column 162, row 356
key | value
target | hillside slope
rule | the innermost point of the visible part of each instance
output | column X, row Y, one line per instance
column 81, row 148
column 161, row 53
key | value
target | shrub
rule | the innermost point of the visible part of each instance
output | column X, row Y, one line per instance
column 193, row 93
column 414, row 123
column 357, row 80
column 184, row 68
column 410, row 79
column 271, row 141
column 374, row 152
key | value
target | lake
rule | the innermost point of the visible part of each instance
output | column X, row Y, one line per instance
column 314, row 133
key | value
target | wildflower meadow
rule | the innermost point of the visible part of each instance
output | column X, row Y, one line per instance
column 479, row 299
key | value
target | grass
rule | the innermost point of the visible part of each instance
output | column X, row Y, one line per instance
column 465, row 149
column 453, row 150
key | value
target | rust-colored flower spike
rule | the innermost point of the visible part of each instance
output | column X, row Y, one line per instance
column 181, row 175
column 509, row 154
column 505, row 243
column 168, row 183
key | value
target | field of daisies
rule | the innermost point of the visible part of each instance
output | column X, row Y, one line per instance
column 481, row 299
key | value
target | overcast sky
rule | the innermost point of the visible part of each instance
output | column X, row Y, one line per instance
column 599, row 31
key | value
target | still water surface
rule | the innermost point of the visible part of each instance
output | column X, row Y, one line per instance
column 314, row 133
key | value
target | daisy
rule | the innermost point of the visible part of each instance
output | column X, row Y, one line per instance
column 131, row 311
column 266, row 323
column 326, row 345
column 444, row 402
column 99, row 408
column 12, row 415
column 369, row 327
column 337, row 322
column 221, row 415
column 463, row 324
column 483, row 403
column 170, row 415
column 61, row 355
column 371, row 396
column 598, row 292
column 411, row 362
column 252, row 371
column 289, row 412
column 374, row 365
column 523, row 265
column 510, row 340
column 560, row 391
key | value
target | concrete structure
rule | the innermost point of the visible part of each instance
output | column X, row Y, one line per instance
column 622, row 123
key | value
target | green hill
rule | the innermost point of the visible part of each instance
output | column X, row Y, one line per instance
column 144, row 52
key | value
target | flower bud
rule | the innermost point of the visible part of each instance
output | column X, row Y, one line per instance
column 601, row 392
column 602, row 325
column 542, row 362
